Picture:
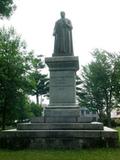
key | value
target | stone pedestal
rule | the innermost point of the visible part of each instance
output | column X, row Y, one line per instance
column 61, row 126
column 62, row 80
column 62, row 107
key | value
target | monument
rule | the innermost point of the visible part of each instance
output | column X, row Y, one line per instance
column 61, row 125
column 63, row 66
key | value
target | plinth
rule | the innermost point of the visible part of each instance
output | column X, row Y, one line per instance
column 62, row 107
column 61, row 125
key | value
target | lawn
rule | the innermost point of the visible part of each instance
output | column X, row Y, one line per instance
column 118, row 128
column 92, row 154
column 81, row 154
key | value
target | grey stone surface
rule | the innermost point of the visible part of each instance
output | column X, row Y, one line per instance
column 62, row 133
column 14, row 139
column 63, row 119
column 62, row 80
column 66, row 63
column 59, row 126
column 38, row 119
column 84, row 119
column 61, row 112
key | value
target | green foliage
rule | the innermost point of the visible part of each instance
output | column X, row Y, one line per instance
column 20, row 75
column 14, row 68
column 117, row 121
column 101, row 83
column 39, row 82
column 78, row 86
column 27, row 110
column 36, row 109
column 6, row 8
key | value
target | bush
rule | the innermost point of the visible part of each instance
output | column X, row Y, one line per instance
column 117, row 121
column 36, row 109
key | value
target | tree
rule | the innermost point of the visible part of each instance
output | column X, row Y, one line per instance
column 43, row 86
column 39, row 82
column 14, row 68
column 36, row 109
column 101, row 83
column 78, row 87
column 6, row 8
column 27, row 110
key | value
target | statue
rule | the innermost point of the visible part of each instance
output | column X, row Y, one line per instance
column 63, row 37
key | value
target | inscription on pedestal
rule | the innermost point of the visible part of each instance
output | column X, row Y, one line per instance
column 62, row 88
column 62, row 80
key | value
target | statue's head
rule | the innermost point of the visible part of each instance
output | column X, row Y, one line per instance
column 62, row 13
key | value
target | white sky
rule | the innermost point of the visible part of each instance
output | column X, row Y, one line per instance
column 96, row 24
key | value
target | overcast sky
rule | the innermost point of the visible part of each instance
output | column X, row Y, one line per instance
column 96, row 24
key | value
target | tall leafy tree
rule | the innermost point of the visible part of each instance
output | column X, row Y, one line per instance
column 101, row 83
column 14, row 67
column 43, row 86
column 6, row 8
column 39, row 81
column 78, row 87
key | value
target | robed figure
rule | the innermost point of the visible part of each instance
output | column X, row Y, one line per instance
column 63, row 45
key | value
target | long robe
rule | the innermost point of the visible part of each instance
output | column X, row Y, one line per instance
column 63, row 45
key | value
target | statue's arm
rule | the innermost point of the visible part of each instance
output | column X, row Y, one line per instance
column 54, row 31
column 69, row 24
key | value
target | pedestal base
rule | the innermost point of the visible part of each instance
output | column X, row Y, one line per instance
column 60, row 126
column 58, row 139
column 61, row 114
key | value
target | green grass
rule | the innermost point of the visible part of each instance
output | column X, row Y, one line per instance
column 81, row 154
column 92, row 154
column 118, row 128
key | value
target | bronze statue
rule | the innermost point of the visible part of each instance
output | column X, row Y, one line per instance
column 63, row 45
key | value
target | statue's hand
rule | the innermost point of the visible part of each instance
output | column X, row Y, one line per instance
column 68, row 24
column 65, row 22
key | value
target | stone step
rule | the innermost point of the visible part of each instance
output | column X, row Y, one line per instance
column 43, row 139
column 62, row 119
column 60, row 126
column 106, row 132
column 62, row 112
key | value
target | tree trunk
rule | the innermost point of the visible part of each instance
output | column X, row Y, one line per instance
column 109, row 119
column 100, row 115
column 108, row 108
column 41, row 100
column 37, row 99
column 108, row 116
column 4, row 116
